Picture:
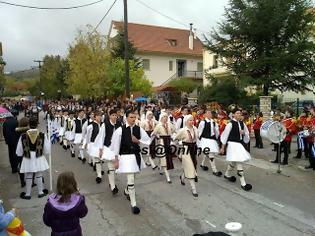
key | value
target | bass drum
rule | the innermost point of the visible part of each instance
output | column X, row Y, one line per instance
column 274, row 131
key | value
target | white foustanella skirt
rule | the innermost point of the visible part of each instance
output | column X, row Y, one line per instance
column 128, row 164
column 77, row 139
column 209, row 143
column 236, row 152
column 34, row 164
column 108, row 154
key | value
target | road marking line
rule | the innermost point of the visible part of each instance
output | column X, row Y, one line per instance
column 278, row 204
column 212, row 225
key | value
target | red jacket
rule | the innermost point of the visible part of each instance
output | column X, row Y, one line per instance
column 257, row 123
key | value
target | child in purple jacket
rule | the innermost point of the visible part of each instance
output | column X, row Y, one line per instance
column 65, row 208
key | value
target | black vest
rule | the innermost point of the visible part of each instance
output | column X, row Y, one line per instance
column 29, row 147
column 78, row 125
column 206, row 133
column 234, row 135
column 182, row 124
column 109, row 130
column 127, row 146
column 95, row 131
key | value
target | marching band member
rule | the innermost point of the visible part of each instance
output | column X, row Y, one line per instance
column 94, row 143
column 188, row 135
column 125, row 145
column 311, row 139
column 148, row 124
column 208, row 132
column 163, row 132
column 233, row 135
column 33, row 146
column 301, row 138
column 77, row 129
column 107, row 130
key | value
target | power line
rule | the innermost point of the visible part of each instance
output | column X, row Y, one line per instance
column 166, row 16
column 104, row 16
column 51, row 8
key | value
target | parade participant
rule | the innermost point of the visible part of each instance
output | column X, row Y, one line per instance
column 233, row 135
column 180, row 121
column 163, row 132
column 257, row 124
column 301, row 138
column 22, row 128
column 125, row 145
column 107, row 130
column 77, row 129
column 208, row 133
column 246, row 120
column 94, row 143
column 90, row 120
column 65, row 208
column 188, row 135
column 290, row 126
column 69, row 133
column 311, row 139
column 148, row 124
column 11, row 139
column 63, row 123
column 33, row 145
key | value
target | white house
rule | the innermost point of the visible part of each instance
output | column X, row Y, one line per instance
column 166, row 53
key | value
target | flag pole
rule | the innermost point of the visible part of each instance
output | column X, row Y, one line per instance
column 49, row 157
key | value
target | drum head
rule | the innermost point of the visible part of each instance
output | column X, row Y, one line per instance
column 276, row 132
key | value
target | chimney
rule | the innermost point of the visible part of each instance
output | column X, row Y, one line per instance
column 191, row 38
column 195, row 33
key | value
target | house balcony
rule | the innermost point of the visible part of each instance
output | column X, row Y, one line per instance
column 195, row 75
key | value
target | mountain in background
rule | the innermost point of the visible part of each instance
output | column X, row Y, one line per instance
column 24, row 74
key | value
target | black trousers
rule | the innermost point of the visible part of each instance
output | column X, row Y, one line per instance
column 311, row 156
column 284, row 148
column 307, row 148
column 258, row 138
column 13, row 158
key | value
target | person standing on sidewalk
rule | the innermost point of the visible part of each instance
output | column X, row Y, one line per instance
column 11, row 139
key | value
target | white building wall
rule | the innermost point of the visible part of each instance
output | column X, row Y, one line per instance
column 159, row 66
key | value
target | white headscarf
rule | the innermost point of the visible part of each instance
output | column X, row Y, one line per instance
column 186, row 118
column 147, row 114
column 162, row 115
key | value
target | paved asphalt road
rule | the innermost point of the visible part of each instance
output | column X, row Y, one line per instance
column 278, row 205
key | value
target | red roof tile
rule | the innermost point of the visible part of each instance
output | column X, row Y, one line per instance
column 149, row 38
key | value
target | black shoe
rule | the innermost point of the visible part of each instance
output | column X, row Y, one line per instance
column 284, row 163
column 68, row 147
column 205, row 168
column 247, row 187
column 72, row 154
column 98, row 180
column 169, row 181
column 218, row 174
column 64, row 147
column 196, row 179
column 195, row 194
column 127, row 195
column 45, row 191
column 135, row 210
column 147, row 164
column 83, row 160
column 102, row 172
column 23, row 196
column 154, row 167
column 115, row 190
column 231, row 178
column 181, row 180
column 42, row 195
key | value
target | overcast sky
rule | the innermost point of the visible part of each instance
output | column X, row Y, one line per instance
column 28, row 34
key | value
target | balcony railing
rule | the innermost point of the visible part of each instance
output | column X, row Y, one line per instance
column 185, row 74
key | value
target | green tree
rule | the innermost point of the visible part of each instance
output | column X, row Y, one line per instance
column 88, row 61
column 137, row 78
column 268, row 43
column 53, row 74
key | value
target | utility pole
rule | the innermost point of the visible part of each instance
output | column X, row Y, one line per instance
column 39, row 63
column 127, row 79
column 39, row 66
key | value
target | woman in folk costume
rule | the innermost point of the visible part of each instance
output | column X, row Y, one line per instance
column 77, row 129
column 149, row 124
column 233, row 136
column 189, row 135
column 93, row 143
column 163, row 132
column 208, row 131
column 33, row 145
column 69, row 134
column 125, row 145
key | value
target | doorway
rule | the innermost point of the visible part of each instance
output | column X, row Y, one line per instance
column 181, row 67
